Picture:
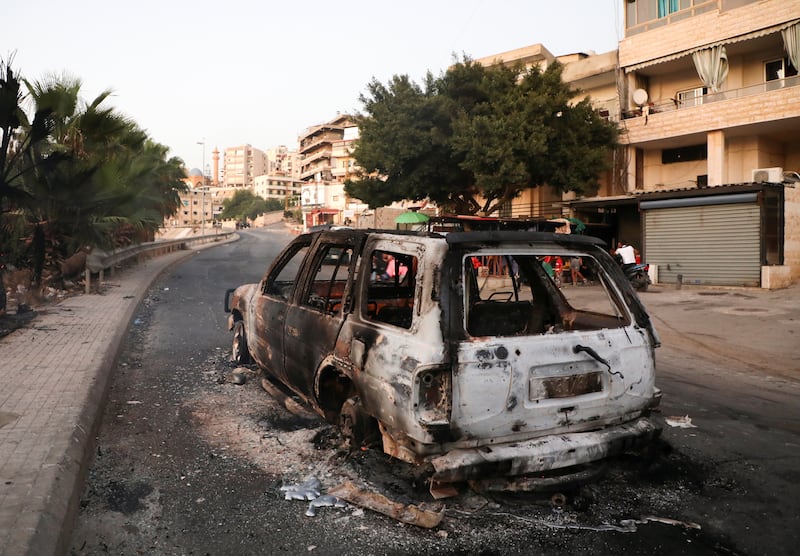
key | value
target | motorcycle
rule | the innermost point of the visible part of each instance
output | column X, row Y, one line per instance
column 638, row 275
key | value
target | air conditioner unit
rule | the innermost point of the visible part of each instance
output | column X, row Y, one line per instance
column 768, row 175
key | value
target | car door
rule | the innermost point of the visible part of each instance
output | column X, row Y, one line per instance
column 266, row 334
column 321, row 305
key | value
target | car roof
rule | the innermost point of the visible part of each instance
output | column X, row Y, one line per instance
column 503, row 236
column 482, row 237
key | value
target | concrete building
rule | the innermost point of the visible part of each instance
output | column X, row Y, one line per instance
column 315, row 149
column 342, row 161
column 281, row 161
column 711, row 120
column 197, row 210
column 271, row 186
column 706, row 94
column 241, row 165
column 326, row 162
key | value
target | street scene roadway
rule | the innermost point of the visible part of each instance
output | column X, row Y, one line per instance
column 192, row 453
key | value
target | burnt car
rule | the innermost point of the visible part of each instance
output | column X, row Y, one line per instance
column 458, row 350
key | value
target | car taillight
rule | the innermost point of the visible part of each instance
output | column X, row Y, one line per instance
column 433, row 395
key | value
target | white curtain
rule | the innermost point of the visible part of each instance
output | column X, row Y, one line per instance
column 791, row 43
column 712, row 66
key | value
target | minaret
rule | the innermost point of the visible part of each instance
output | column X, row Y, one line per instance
column 215, row 177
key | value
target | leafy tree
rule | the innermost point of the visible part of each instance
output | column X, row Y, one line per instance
column 245, row 204
column 475, row 137
column 77, row 175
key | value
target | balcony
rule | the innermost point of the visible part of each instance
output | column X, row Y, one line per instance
column 771, row 107
column 310, row 143
column 321, row 154
column 310, row 171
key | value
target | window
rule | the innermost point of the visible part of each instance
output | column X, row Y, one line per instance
column 508, row 294
column 691, row 97
column 666, row 7
column 390, row 289
column 779, row 69
column 330, row 279
column 685, row 154
column 280, row 282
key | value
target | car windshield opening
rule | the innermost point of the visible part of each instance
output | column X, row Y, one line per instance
column 520, row 294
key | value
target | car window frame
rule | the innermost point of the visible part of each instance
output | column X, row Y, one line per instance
column 320, row 250
column 279, row 265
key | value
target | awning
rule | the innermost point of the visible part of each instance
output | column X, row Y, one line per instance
column 747, row 36
column 325, row 211
column 411, row 217
column 733, row 199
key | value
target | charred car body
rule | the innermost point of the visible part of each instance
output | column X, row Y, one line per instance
column 457, row 349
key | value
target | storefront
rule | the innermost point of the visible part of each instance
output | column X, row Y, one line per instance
column 715, row 236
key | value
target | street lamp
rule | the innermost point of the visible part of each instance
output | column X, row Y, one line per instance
column 203, row 190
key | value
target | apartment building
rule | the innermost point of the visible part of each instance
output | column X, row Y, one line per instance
column 270, row 186
column 711, row 128
column 342, row 161
column 198, row 208
column 282, row 161
column 241, row 165
column 707, row 95
column 315, row 149
column 326, row 162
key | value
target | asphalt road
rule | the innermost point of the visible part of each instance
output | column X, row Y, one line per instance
column 190, row 463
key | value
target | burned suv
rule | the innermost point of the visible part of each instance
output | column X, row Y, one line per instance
column 462, row 350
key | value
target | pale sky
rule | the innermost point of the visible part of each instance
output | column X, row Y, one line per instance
column 233, row 72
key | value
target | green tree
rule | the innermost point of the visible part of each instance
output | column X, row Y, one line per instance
column 475, row 137
column 77, row 175
column 245, row 204
column 109, row 185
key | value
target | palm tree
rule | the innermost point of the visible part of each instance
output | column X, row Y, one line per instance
column 82, row 175
column 21, row 140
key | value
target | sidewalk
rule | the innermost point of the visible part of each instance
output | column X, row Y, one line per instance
column 748, row 327
column 55, row 372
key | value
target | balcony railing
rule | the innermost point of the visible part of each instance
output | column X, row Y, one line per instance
column 676, row 104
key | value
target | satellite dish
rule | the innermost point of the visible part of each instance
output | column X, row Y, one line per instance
column 640, row 96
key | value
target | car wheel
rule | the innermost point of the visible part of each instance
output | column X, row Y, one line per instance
column 359, row 428
column 239, row 352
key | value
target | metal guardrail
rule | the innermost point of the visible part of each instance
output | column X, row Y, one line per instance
column 97, row 262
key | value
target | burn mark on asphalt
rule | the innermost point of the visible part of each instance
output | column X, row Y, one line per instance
column 126, row 498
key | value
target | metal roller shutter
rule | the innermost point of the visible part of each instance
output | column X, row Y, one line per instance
column 711, row 244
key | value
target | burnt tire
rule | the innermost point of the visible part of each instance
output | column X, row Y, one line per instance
column 358, row 428
column 239, row 352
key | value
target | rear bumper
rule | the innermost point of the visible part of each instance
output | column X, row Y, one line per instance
column 543, row 454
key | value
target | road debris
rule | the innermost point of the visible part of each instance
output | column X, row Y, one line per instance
column 624, row 526
column 670, row 521
column 326, row 500
column 310, row 490
column 684, row 422
column 407, row 513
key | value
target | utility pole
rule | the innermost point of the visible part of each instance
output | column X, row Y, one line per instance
column 203, row 190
